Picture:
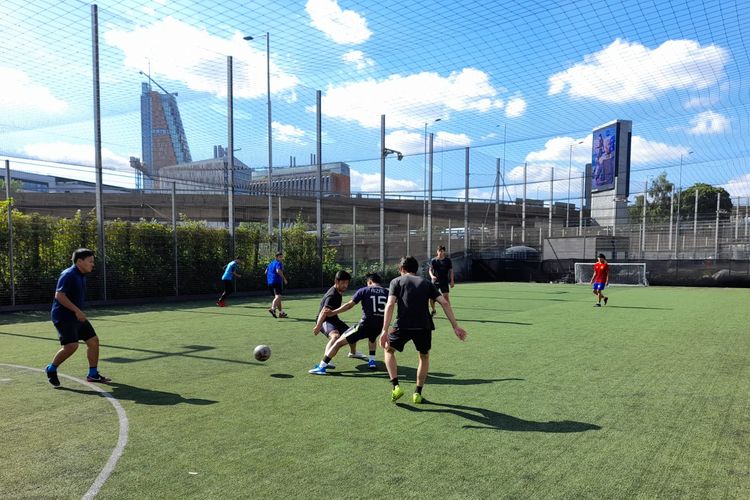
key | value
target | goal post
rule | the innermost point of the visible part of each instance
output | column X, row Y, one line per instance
column 620, row 273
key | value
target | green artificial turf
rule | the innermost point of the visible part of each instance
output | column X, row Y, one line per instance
column 549, row 397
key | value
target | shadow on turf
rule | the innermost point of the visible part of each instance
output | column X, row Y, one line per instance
column 190, row 351
column 139, row 395
column 409, row 374
column 499, row 421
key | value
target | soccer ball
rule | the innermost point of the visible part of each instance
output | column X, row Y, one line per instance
column 262, row 352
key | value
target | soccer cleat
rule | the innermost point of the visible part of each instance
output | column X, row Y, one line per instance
column 52, row 377
column 396, row 394
column 357, row 355
column 98, row 378
column 371, row 365
column 416, row 398
column 220, row 303
column 318, row 370
column 282, row 314
column 605, row 300
column 597, row 305
column 272, row 312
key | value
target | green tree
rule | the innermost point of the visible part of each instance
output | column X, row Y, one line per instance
column 15, row 185
column 706, row 202
column 659, row 200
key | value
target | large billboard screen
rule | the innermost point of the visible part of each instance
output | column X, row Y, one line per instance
column 604, row 158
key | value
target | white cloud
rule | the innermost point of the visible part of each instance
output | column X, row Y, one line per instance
column 287, row 133
column 341, row 26
column 739, row 186
column 371, row 183
column 20, row 92
column 557, row 152
column 516, row 107
column 405, row 102
column 626, row 71
column 709, row 122
column 77, row 154
column 357, row 57
column 180, row 52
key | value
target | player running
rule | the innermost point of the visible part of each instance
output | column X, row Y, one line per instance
column 441, row 273
column 230, row 272
column 330, row 324
column 600, row 279
column 373, row 298
column 71, row 322
column 413, row 322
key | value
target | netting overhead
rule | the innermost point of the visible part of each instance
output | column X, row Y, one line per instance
column 517, row 81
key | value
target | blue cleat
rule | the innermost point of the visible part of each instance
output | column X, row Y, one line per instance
column 318, row 370
column 372, row 365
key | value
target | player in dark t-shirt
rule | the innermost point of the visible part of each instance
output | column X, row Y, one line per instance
column 373, row 298
column 441, row 273
column 411, row 294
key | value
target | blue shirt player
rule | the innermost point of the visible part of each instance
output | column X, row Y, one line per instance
column 373, row 298
column 276, row 281
column 230, row 272
column 70, row 320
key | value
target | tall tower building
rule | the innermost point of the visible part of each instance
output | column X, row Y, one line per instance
column 163, row 140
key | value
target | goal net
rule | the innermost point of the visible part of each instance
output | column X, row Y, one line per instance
column 630, row 273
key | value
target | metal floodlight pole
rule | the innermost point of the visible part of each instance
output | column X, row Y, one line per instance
column 467, row 234
column 269, row 119
column 497, row 197
column 716, row 237
column 429, row 200
column 98, row 148
column 424, row 175
column 567, row 201
column 382, row 193
column 230, row 155
column 319, row 198
column 551, row 200
column 695, row 219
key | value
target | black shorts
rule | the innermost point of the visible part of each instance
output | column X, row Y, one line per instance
column 228, row 288
column 70, row 332
column 276, row 289
column 422, row 339
column 361, row 330
column 334, row 324
column 443, row 286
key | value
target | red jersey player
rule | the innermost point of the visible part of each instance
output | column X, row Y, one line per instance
column 600, row 279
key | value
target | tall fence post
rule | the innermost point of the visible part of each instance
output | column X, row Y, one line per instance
column 716, row 236
column 319, row 194
column 695, row 220
column 467, row 233
column 408, row 233
column 10, row 235
column 382, row 193
column 354, row 240
column 523, row 208
column 102, row 256
column 230, row 158
column 429, row 198
column 174, row 242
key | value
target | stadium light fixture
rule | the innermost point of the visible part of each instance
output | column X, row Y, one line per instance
column 399, row 154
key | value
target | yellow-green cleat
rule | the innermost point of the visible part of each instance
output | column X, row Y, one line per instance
column 396, row 393
column 416, row 398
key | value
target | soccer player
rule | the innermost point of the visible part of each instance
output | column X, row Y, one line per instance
column 441, row 273
column 230, row 272
column 70, row 320
column 373, row 298
column 600, row 279
column 276, row 281
column 413, row 322
column 330, row 324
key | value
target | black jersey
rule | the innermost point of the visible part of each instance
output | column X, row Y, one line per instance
column 412, row 296
column 442, row 269
column 331, row 300
column 373, row 299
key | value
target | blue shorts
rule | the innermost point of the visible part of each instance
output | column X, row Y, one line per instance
column 598, row 287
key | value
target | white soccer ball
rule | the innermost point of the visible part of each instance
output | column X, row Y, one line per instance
column 262, row 352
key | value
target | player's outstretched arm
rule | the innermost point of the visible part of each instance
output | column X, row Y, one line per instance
column 342, row 309
column 460, row 332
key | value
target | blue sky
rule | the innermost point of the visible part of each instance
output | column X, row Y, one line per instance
column 524, row 82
